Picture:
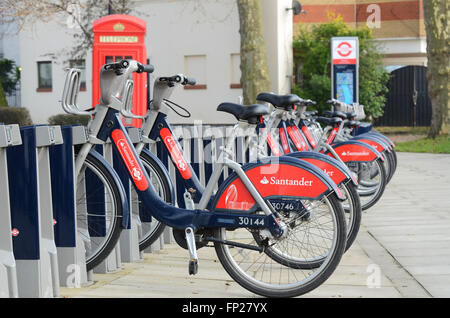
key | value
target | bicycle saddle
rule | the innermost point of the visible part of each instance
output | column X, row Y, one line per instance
column 279, row 101
column 339, row 114
column 251, row 113
column 351, row 123
column 311, row 113
column 351, row 115
column 329, row 121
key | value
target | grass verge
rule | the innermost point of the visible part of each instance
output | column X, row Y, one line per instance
column 403, row 130
column 439, row 145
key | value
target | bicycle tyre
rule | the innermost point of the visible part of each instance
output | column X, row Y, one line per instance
column 374, row 194
column 256, row 286
column 108, row 181
column 355, row 223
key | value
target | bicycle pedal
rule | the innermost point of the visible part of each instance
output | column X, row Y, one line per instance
column 193, row 267
column 193, row 259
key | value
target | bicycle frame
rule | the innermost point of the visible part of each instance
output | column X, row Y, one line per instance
column 107, row 124
column 336, row 169
column 156, row 126
column 173, row 216
column 346, row 151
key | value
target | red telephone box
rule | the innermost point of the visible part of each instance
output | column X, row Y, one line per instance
column 118, row 37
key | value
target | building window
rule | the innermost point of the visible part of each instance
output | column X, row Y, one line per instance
column 235, row 71
column 44, row 76
column 195, row 66
column 81, row 65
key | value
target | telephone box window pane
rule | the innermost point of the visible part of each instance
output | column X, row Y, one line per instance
column 81, row 65
column 109, row 59
column 128, row 58
column 118, row 58
column 45, row 75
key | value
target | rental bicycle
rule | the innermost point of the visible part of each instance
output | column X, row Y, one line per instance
column 254, row 242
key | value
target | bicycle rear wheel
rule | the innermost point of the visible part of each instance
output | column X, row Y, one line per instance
column 282, row 269
column 99, row 211
column 369, row 195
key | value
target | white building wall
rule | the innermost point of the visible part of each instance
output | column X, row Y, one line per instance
column 176, row 30
column 278, row 33
column 403, row 51
column 48, row 42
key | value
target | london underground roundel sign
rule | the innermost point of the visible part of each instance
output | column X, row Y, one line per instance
column 344, row 51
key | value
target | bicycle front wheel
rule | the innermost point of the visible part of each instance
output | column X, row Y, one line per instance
column 150, row 229
column 282, row 270
column 99, row 211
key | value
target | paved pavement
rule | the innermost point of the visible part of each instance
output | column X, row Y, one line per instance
column 402, row 250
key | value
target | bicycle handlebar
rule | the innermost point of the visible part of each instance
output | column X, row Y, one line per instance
column 335, row 102
column 306, row 102
column 118, row 66
column 189, row 81
column 179, row 78
column 148, row 68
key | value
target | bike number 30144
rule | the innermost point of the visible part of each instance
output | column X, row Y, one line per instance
column 250, row 221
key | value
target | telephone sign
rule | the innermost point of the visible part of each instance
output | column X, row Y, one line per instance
column 344, row 69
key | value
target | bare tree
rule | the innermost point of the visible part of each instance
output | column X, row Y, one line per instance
column 438, row 73
column 255, row 72
column 25, row 13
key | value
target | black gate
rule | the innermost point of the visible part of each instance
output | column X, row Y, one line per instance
column 407, row 102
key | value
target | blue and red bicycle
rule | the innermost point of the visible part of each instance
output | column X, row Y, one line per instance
column 276, row 223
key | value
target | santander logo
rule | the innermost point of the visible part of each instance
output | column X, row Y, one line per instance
column 264, row 180
column 348, row 153
column 287, row 182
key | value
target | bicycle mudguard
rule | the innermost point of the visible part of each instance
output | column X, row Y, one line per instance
column 335, row 169
column 379, row 144
column 275, row 178
column 355, row 151
column 166, row 173
column 123, row 195
column 386, row 139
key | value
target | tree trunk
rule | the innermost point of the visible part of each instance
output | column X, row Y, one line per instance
column 3, row 101
column 254, row 70
column 436, row 14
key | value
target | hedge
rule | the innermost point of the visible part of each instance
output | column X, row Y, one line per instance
column 69, row 119
column 15, row 115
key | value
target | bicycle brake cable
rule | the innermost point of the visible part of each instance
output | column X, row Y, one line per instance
column 168, row 102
